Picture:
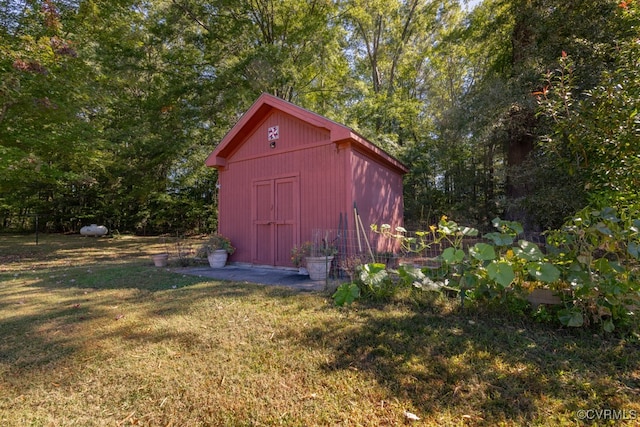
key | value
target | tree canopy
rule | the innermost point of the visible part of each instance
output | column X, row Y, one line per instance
column 521, row 108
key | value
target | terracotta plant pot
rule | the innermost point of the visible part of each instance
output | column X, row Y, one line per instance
column 160, row 260
column 218, row 259
column 318, row 266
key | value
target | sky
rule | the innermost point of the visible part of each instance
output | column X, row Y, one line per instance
column 472, row 3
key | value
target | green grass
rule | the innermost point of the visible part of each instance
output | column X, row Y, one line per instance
column 92, row 334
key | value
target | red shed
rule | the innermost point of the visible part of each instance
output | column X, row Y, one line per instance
column 284, row 171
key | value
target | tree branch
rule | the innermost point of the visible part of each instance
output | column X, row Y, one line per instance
column 191, row 15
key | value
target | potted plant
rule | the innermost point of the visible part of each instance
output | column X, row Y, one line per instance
column 217, row 248
column 161, row 259
column 319, row 260
column 299, row 255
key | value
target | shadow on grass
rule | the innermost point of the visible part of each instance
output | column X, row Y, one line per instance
column 486, row 365
column 39, row 329
column 492, row 368
column 47, row 317
column 52, row 250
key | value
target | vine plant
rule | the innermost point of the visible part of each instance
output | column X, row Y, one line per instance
column 599, row 253
column 592, row 263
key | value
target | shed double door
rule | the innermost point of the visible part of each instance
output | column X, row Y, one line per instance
column 275, row 213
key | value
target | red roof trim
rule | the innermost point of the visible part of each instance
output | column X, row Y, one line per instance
column 263, row 106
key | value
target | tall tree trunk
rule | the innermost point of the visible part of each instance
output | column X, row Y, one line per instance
column 521, row 118
column 520, row 143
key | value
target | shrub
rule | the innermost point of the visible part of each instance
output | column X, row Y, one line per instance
column 593, row 262
column 598, row 252
column 214, row 243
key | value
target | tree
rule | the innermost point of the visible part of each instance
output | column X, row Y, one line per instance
column 525, row 39
column 595, row 130
column 44, row 133
column 387, row 47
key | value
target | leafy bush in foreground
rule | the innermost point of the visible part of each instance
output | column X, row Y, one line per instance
column 598, row 252
column 592, row 263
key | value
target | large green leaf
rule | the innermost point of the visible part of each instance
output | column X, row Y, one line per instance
column 609, row 214
column 453, row 255
column 608, row 325
column 500, row 239
column 410, row 274
column 571, row 317
column 346, row 294
column 468, row 231
column 633, row 249
column 543, row 271
column 373, row 274
column 448, row 227
column 601, row 227
column 501, row 272
column 482, row 252
column 513, row 227
column 528, row 251
column 603, row 265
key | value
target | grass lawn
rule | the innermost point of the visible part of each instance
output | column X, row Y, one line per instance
column 91, row 334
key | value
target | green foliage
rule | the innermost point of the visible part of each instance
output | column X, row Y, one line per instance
column 543, row 271
column 571, row 317
column 592, row 262
column 108, row 109
column 594, row 127
column 97, row 128
column 448, row 232
column 453, row 255
column 299, row 253
column 528, row 251
column 482, row 252
column 346, row 294
column 418, row 278
column 49, row 160
column 501, row 272
column 543, row 314
column 596, row 250
column 214, row 243
column 375, row 282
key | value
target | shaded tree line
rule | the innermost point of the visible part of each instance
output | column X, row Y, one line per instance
column 521, row 108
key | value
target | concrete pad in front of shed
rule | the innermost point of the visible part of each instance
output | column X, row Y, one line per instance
column 257, row 274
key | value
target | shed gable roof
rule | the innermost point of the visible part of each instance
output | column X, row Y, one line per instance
column 265, row 104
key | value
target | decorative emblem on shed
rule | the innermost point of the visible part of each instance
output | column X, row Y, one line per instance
column 273, row 133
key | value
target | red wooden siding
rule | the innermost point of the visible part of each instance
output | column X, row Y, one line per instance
column 272, row 198
column 287, row 219
column 293, row 135
column 375, row 191
column 318, row 192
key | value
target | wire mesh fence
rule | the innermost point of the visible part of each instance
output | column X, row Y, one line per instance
column 351, row 248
